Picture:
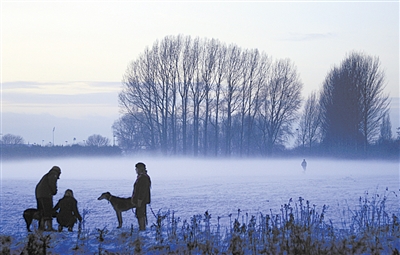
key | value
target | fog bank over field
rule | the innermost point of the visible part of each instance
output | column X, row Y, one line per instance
column 185, row 168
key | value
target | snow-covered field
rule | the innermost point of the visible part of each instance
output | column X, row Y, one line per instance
column 192, row 186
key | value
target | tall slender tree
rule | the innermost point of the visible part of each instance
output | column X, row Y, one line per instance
column 281, row 102
column 352, row 103
column 385, row 129
column 310, row 123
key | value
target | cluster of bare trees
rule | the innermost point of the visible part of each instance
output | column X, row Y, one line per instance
column 199, row 96
column 10, row 139
column 353, row 103
column 202, row 97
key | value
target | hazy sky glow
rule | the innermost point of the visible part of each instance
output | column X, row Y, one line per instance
column 66, row 59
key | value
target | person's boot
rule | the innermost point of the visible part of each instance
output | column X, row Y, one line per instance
column 41, row 224
column 142, row 223
column 60, row 228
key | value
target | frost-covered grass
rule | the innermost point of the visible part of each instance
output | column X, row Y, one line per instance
column 298, row 228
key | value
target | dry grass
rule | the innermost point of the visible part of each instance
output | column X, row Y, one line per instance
column 298, row 228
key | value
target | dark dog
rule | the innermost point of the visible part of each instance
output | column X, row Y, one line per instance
column 31, row 214
column 119, row 204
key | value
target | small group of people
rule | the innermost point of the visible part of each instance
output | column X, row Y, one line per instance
column 66, row 209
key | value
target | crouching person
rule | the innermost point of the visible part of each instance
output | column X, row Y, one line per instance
column 68, row 211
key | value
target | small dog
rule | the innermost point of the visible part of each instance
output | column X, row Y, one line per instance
column 119, row 204
column 31, row 214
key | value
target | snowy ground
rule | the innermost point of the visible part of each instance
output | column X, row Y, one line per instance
column 192, row 186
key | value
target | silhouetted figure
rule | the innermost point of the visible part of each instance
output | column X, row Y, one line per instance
column 304, row 164
column 141, row 194
column 44, row 192
column 68, row 214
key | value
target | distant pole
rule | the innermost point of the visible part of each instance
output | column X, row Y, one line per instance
column 54, row 128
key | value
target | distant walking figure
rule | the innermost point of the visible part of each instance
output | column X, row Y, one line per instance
column 141, row 194
column 68, row 213
column 304, row 164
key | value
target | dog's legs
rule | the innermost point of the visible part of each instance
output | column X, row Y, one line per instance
column 28, row 219
column 119, row 216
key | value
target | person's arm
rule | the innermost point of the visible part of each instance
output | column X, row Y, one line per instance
column 52, row 182
column 76, row 211
column 140, row 191
column 133, row 195
column 57, row 206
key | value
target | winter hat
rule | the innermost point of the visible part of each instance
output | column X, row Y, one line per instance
column 68, row 193
column 141, row 167
column 57, row 170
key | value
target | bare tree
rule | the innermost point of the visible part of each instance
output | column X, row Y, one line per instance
column 217, row 94
column 188, row 68
column 208, row 77
column 282, row 98
column 385, row 129
column 310, row 122
column 234, row 72
column 255, row 71
column 170, row 49
column 246, row 93
column 374, row 104
column 137, row 95
column 132, row 133
column 97, row 140
column 11, row 139
column 197, row 91
column 353, row 103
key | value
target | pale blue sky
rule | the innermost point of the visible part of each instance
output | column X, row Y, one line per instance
column 62, row 61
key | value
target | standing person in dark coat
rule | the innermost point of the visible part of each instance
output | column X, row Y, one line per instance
column 141, row 194
column 68, row 213
column 44, row 192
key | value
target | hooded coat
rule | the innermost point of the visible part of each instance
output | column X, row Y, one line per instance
column 47, row 186
column 141, row 189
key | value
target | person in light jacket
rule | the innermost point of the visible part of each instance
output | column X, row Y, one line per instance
column 141, row 194
column 68, row 213
column 44, row 192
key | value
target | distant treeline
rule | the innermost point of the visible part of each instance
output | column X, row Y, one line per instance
column 36, row 151
column 386, row 151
